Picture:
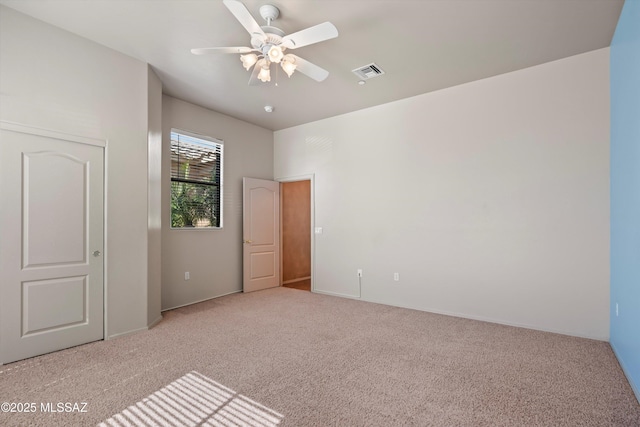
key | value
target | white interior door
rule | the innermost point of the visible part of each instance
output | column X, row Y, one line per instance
column 261, row 229
column 51, row 228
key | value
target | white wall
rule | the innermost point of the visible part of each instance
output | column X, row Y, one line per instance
column 52, row 79
column 212, row 257
column 491, row 199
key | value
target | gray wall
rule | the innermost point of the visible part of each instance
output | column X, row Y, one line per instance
column 212, row 257
column 154, row 287
column 490, row 199
column 55, row 80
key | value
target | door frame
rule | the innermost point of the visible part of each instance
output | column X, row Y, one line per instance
column 102, row 143
column 311, row 179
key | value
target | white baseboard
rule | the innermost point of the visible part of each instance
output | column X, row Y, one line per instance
column 335, row 294
column 124, row 334
column 155, row 322
column 492, row 320
column 202, row 300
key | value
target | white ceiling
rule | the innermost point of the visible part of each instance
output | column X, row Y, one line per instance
column 422, row 45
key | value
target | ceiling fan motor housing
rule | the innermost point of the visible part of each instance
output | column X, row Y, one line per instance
column 274, row 35
column 274, row 38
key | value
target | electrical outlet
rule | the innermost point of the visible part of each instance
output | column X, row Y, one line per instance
column 187, row 276
column 396, row 277
column 359, row 272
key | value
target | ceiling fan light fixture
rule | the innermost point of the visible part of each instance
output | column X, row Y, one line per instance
column 288, row 65
column 264, row 75
column 275, row 54
column 248, row 60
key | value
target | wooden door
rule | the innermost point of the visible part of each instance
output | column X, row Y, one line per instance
column 261, row 230
column 51, row 250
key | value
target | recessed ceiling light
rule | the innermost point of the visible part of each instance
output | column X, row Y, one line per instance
column 361, row 82
column 268, row 108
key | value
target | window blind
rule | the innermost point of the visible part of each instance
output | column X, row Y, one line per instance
column 196, row 181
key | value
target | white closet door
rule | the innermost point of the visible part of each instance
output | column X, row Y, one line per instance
column 51, row 242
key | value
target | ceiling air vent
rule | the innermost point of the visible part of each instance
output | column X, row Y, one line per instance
column 368, row 71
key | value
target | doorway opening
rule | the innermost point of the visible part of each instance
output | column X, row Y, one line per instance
column 295, row 229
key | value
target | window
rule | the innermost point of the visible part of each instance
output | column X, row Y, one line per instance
column 196, row 181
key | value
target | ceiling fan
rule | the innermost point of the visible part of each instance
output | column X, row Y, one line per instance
column 269, row 44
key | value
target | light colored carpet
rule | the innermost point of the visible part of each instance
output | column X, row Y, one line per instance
column 289, row 358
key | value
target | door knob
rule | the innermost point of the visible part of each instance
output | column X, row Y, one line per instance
column 96, row 253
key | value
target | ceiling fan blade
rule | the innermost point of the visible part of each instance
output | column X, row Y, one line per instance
column 242, row 14
column 312, row 70
column 317, row 33
column 205, row 50
column 253, row 80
